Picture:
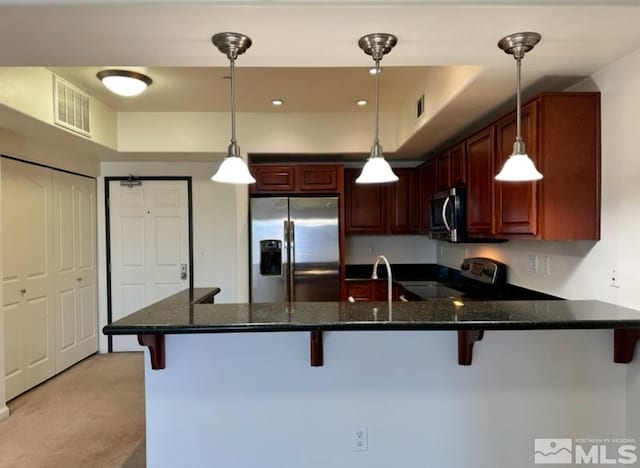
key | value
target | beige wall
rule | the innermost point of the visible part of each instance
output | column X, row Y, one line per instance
column 29, row 91
column 4, row 411
column 257, row 133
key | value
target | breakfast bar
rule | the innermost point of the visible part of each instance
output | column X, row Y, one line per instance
column 218, row 374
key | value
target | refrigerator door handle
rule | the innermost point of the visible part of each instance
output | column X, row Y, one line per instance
column 292, row 261
column 285, row 260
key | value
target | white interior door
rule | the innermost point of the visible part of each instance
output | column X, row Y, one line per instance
column 149, row 235
column 27, row 279
column 74, row 209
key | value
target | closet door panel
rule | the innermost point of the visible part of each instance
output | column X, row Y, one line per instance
column 27, row 279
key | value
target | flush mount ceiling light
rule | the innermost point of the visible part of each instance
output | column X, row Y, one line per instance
column 233, row 169
column 277, row 102
column 362, row 102
column 124, row 82
column 519, row 167
column 377, row 169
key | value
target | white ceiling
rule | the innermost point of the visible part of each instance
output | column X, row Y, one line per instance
column 306, row 52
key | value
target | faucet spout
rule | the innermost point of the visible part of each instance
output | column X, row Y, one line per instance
column 374, row 275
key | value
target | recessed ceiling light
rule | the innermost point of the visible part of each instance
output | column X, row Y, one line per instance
column 362, row 102
column 373, row 71
column 277, row 102
column 124, row 82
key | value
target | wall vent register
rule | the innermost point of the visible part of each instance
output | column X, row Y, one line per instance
column 71, row 107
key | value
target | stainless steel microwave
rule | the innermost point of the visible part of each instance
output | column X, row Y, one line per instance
column 448, row 215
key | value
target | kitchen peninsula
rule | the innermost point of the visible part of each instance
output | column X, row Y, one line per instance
column 238, row 389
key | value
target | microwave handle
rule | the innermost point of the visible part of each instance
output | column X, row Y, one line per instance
column 444, row 213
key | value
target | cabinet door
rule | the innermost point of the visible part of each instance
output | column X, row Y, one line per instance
column 271, row 179
column 444, row 171
column 458, row 163
column 365, row 205
column 428, row 184
column 480, row 184
column 402, row 208
column 318, row 178
column 516, row 202
column 359, row 290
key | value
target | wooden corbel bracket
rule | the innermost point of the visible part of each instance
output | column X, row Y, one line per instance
column 466, row 340
column 155, row 343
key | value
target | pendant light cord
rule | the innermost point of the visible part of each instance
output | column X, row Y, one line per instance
column 232, row 67
column 377, row 141
column 518, row 112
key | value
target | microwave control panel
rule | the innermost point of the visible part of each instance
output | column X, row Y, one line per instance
column 484, row 270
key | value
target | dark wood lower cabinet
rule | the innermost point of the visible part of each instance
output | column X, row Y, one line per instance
column 370, row 290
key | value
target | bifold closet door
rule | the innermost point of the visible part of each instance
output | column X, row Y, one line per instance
column 27, row 281
column 74, row 237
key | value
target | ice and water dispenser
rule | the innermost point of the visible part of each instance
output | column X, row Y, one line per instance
column 271, row 257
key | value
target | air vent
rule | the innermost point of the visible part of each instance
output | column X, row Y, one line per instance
column 70, row 107
column 420, row 107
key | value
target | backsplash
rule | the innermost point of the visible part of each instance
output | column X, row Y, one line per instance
column 568, row 269
column 398, row 249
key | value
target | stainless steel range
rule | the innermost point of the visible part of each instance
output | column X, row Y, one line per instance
column 479, row 278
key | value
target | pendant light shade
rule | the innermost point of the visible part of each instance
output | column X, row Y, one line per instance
column 377, row 170
column 233, row 169
column 519, row 167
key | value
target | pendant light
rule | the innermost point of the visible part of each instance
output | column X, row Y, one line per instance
column 518, row 167
column 377, row 169
column 233, row 169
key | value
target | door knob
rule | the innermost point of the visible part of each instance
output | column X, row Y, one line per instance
column 22, row 291
column 79, row 279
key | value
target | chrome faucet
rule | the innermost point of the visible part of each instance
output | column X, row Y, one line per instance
column 374, row 275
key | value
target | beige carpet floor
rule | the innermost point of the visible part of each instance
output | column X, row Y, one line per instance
column 90, row 416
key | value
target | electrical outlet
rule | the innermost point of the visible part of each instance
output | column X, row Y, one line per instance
column 544, row 264
column 360, row 439
column 614, row 278
column 532, row 263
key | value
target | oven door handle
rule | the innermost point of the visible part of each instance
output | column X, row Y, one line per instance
column 444, row 213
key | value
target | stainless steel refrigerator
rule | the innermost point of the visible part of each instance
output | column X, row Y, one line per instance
column 294, row 249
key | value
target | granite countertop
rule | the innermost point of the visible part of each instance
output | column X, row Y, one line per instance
column 178, row 314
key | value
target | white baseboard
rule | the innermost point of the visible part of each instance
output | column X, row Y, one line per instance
column 4, row 413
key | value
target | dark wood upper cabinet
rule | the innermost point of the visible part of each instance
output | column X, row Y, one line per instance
column 516, row 202
column 365, row 205
column 273, row 178
column 458, row 166
column 480, row 183
column 569, row 158
column 444, row 171
column 402, row 209
column 382, row 208
column 428, row 186
column 561, row 131
column 562, row 135
column 296, row 178
column 318, row 178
